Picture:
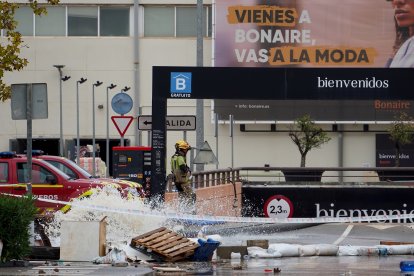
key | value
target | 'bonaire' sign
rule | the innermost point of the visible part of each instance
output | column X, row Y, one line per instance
column 304, row 33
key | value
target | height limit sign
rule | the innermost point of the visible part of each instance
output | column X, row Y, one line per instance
column 278, row 206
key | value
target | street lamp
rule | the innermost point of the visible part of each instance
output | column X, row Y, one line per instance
column 125, row 89
column 112, row 86
column 82, row 80
column 65, row 78
column 98, row 83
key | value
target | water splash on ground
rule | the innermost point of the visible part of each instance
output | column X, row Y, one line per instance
column 120, row 227
column 123, row 226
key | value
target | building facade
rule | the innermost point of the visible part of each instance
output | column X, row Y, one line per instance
column 118, row 42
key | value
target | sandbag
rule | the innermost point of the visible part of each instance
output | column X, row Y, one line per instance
column 307, row 250
column 258, row 252
column 286, row 250
column 368, row 251
column 348, row 250
column 402, row 249
column 327, row 250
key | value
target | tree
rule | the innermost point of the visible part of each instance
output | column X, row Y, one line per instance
column 306, row 136
column 401, row 133
column 11, row 45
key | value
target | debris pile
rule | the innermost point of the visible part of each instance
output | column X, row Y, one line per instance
column 164, row 244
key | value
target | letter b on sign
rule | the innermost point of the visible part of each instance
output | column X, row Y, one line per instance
column 180, row 82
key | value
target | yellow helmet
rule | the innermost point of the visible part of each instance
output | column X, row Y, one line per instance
column 181, row 144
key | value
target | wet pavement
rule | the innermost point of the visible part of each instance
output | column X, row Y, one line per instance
column 327, row 265
column 359, row 234
column 320, row 265
column 337, row 234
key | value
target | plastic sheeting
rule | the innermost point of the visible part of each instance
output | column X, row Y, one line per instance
column 114, row 256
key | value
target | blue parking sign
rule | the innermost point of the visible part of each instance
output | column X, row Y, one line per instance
column 180, row 82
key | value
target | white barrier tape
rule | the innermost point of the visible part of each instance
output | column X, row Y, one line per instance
column 176, row 216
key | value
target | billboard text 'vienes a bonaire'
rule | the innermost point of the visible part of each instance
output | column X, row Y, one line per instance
column 311, row 33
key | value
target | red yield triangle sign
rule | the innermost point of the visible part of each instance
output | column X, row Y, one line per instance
column 122, row 123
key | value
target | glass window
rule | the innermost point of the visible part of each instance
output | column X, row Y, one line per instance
column 24, row 18
column 210, row 25
column 159, row 21
column 63, row 168
column 114, row 21
column 22, row 172
column 187, row 21
column 82, row 21
column 53, row 23
column 39, row 174
column 4, row 172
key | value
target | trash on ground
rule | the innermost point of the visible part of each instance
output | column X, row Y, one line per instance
column 113, row 256
column 120, row 264
column 205, row 251
column 407, row 266
column 237, row 267
column 165, row 244
column 135, row 255
column 168, row 269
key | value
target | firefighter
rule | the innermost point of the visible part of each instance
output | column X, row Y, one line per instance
column 182, row 175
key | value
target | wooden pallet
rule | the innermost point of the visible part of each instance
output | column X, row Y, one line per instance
column 167, row 244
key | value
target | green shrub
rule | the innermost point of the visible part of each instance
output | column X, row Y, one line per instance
column 16, row 214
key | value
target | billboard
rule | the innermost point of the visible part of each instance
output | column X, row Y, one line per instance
column 313, row 34
column 313, row 201
column 386, row 152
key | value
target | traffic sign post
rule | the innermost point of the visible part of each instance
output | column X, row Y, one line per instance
column 28, row 102
column 174, row 122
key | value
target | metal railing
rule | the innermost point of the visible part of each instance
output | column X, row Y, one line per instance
column 331, row 175
column 215, row 177
column 211, row 178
